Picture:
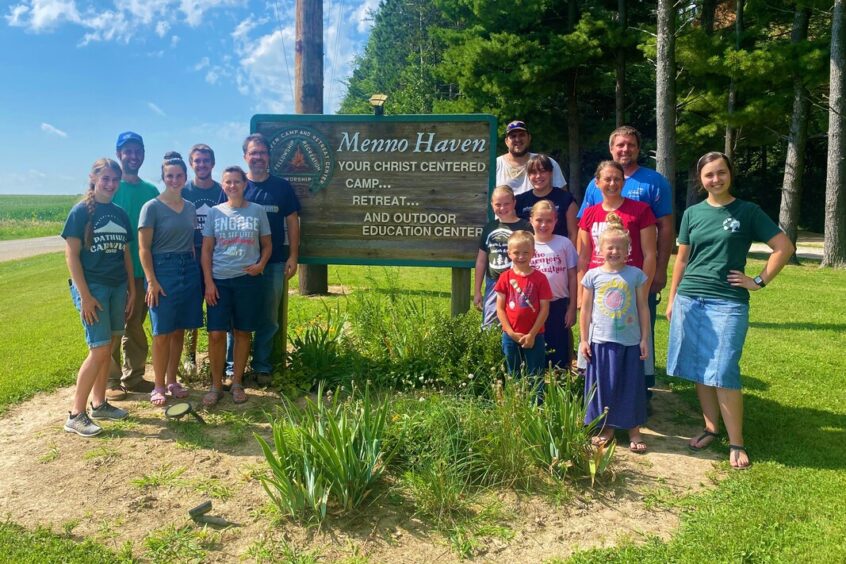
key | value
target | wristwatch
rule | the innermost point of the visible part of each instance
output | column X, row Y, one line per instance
column 759, row 281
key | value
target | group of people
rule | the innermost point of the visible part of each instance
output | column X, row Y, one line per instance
column 543, row 257
column 131, row 249
column 232, row 245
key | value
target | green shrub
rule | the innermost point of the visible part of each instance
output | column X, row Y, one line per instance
column 329, row 453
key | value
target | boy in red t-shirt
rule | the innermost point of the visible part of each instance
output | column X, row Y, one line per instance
column 522, row 305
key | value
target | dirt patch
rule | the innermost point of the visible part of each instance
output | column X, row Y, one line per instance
column 141, row 477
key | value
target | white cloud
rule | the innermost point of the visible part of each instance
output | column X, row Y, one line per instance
column 174, row 41
column 155, row 109
column 47, row 128
column 42, row 15
column 363, row 15
column 161, row 28
column 212, row 77
column 202, row 64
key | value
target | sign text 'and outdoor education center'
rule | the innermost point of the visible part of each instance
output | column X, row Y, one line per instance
column 386, row 190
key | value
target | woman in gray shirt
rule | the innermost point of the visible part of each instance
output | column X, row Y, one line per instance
column 173, row 294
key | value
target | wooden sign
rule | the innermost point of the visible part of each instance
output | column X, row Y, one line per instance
column 386, row 190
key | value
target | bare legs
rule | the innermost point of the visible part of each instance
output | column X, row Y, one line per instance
column 167, row 350
column 728, row 403
column 217, row 356
column 92, row 377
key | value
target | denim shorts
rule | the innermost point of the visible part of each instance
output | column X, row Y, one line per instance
column 112, row 317
column 706, row 340
column 182, row 307
column 239, row 304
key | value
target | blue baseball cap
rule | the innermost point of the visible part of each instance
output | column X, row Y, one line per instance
column 516, row 125
column 126, row 137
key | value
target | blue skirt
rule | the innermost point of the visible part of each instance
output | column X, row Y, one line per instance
column 617, row 373
column 706, row 340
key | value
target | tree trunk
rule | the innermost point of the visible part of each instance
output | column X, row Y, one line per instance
column 573, row 143
column 666, row 93
column 834, row 247
column 308, row 99
column 794, row 163
column 692, row 187
column 709, row 8
column 620, row 68
column 731, row 131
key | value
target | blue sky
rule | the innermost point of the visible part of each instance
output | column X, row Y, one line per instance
column 78, row 72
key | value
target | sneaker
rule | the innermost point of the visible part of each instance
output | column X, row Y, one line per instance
column 107, row 411
column 116, row 394
column 264, row 379
column 82, row 425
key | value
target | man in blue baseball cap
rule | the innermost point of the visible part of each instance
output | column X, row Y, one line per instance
column 131, row 195
column 511, row 167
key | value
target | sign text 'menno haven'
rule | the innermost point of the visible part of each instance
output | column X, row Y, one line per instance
column 425, row 143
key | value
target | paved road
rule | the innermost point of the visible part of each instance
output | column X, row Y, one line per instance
column 23, row 248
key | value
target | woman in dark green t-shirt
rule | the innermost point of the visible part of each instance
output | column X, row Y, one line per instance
column 708, row 306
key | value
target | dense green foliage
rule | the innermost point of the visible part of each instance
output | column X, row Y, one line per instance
column 553, row 63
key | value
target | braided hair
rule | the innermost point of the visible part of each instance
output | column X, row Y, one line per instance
column 97, row 169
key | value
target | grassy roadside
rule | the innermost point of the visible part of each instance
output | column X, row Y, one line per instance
column 787, row 508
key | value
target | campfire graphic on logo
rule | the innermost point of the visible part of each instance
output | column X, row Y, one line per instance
column 302, row 157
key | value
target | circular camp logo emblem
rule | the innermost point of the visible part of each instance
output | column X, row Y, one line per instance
column 301, row 156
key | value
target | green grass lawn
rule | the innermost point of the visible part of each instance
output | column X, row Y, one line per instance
column 787, row 508
column 23, row 217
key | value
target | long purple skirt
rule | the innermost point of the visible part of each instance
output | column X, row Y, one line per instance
column 617, row 372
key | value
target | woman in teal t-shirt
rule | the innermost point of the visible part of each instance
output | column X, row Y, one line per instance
column 708, row 306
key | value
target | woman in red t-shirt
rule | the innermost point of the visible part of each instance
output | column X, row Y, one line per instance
column 636, row 216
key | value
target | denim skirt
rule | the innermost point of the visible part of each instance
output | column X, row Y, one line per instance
column 706, row 340
column 182, row 306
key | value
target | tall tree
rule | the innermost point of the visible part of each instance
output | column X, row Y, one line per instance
column 794, row 164
column 834, row 246
column 620, row 67
column 665, row 90
column 731, row 129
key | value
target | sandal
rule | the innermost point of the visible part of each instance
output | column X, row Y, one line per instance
column 732, row 449
column 705, row 434
column 637, row 447
column 157, row 397
column 599, row 441
column 177, row 391
column 212, row 397
column 238, row 393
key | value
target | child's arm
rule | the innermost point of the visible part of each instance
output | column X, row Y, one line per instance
column 481, row 266
column 130, row 281
column 90, row 305
column 678, row 272
column 527, row 341
column 643, row 317
column 584, row 321
column 503, row 318
column 570, row 316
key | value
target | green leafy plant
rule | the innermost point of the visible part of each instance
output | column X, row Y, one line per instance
column 331, row 451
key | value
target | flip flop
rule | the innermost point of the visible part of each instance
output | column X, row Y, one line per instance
column 733, row 448
column 705, row 434
column 157, row 397
column 238, row 393
column 637, row 447
column 177, row 391
column 600, row 441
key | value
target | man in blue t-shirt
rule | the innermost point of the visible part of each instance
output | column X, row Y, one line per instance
column 204, row 192
column 648, row 186
column 280, row 202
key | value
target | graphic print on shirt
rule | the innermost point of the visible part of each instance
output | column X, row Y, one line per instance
column 109, row 235
column 523, row 297
column 614, row 299
column 236, row 233
column 497, row 244
column 731, row 225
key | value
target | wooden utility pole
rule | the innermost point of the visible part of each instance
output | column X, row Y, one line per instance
column 308, row 99
column 666, row 92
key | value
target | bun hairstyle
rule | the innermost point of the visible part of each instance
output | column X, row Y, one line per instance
column 96, row 170
column 173, row 158
column 539, row 162
column 543, row 205
column 613, row 229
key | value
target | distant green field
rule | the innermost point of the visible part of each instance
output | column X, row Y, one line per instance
column 23, row 217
